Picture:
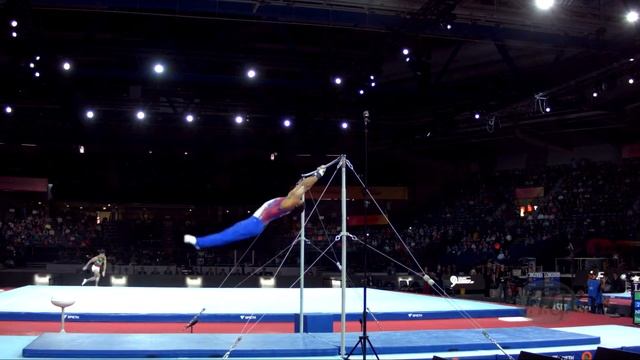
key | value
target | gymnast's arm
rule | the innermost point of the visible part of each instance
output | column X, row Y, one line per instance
column 91, row 261
column 294, row 198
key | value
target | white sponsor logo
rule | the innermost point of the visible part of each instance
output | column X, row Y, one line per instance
column 462, row 280
column 71, row 316
column 248, row 317
column 411, row 315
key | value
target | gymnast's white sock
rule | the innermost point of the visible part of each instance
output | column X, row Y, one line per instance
column 84, row 281
column 190, row 239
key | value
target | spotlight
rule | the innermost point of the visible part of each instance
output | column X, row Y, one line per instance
column 595, row 94
column 239, row 119
column 361, row 92
column 186, row 153
column 544, row 4
column 632, row 59
column 37, row 57
column 14, row 34
column 251, row 74
column 286, row 123
column 14, row 23
column 373, row 84
column 407, row 59
column 150, row 152
column 449, row 26
column 32, row 65
column 158, row 68
column 8, row 110
column 140, row 115
column 89, row 114
column 476, row 116
column 81, row 149
column 405, row 51
column 337, row 80
column 547, row 109
column 189, row 118
column 36, row 74
column 372, row 77
column 632, row 16
column 631, row 81
column 344, row 125
column 66, row 66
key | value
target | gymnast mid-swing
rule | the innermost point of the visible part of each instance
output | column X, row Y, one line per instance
column 255, row 224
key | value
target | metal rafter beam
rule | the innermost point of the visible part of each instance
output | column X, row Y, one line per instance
column 447, row 64
column 330, row 15
column 506, row 57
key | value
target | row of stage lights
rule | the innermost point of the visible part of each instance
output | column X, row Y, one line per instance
column 159, row 69
column 140, row 115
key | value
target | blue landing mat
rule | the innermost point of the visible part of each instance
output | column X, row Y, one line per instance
column 430, row 341
column 292, row 345
column 175, row 345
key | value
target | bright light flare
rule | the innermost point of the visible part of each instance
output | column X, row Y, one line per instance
column 158, row 68
column 544, row 4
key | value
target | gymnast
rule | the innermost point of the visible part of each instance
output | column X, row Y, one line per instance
column 255, row 224
column 99, row 264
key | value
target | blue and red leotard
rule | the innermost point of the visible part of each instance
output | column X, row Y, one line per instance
column 247, row 228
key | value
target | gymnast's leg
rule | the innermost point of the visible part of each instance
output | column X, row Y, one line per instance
column 247, row 228
column 95, row 277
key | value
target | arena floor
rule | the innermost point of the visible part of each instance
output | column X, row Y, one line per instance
column 102, row 320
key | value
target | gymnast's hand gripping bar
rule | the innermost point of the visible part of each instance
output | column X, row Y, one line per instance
column 326, row 166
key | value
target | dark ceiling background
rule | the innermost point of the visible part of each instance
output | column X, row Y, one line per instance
column 492, row 61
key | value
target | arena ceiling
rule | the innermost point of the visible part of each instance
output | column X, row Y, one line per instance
column 467, row 57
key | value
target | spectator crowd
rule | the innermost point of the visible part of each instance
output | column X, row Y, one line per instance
column 478, row 227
